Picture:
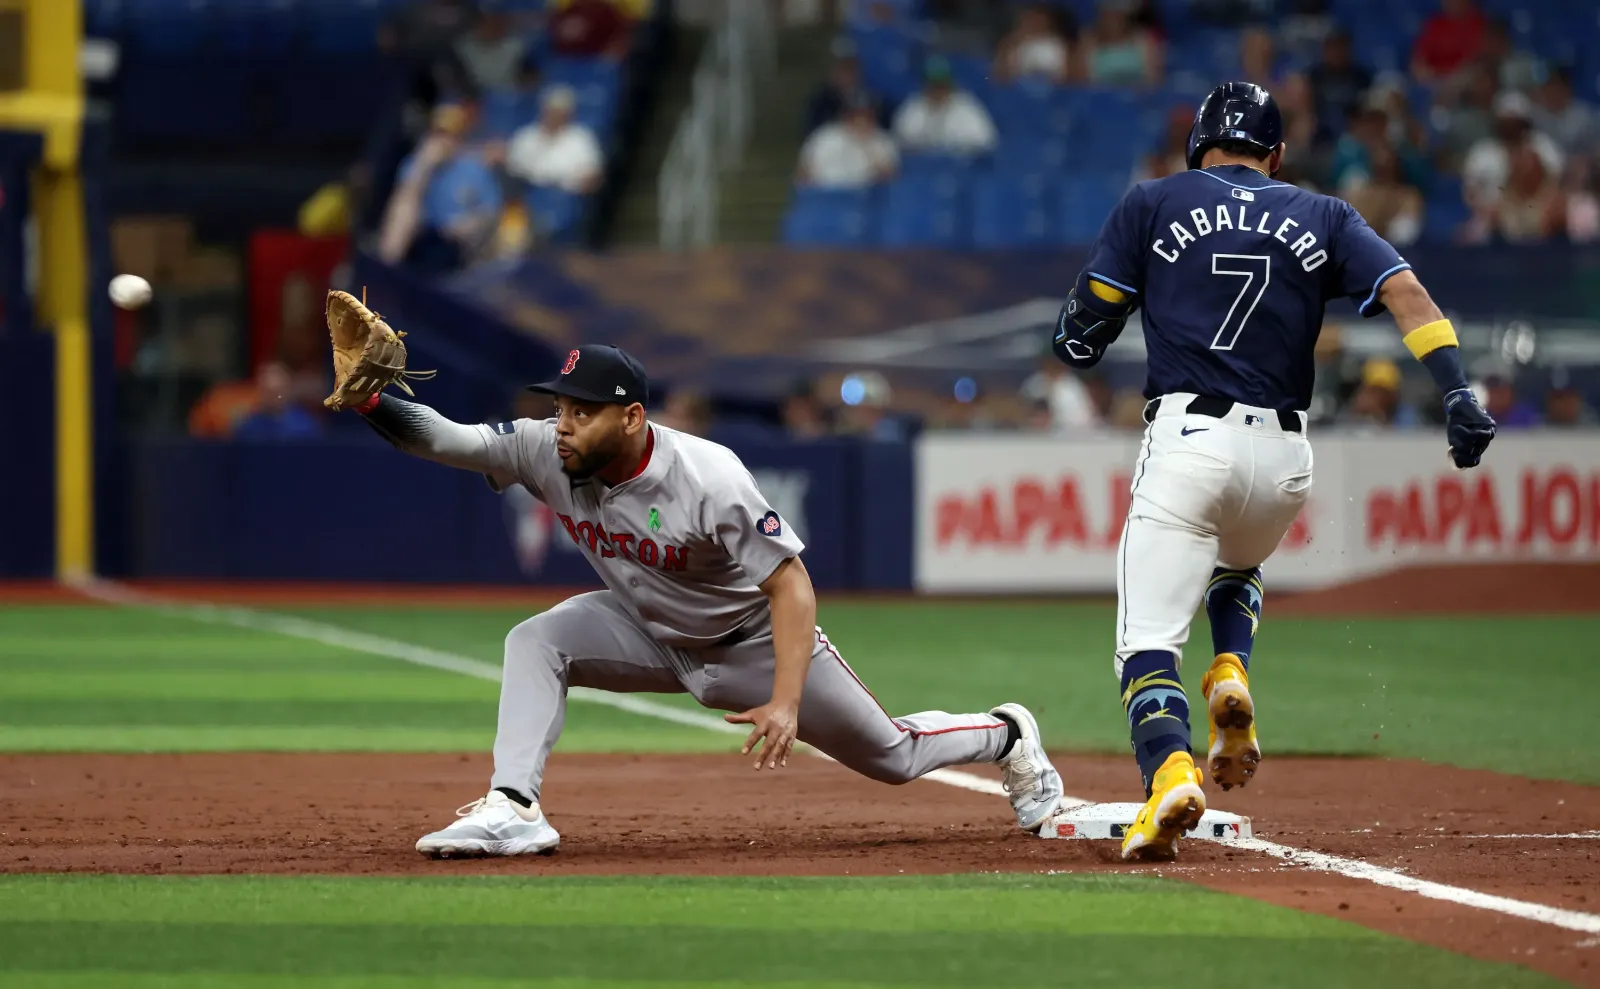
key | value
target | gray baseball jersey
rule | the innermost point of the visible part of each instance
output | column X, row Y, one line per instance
column 684, row 544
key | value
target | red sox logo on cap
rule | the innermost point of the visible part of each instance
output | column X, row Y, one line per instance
column 572, row 362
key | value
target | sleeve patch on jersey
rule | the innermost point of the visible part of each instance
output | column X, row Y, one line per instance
column 770, row 525
column 505, row 428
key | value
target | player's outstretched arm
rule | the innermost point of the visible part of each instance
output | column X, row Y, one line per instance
column 794, row 625
column 420, row 431
column 1432, row 340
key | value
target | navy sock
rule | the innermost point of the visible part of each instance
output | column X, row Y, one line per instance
column 1233, row 603
column 1158, row 710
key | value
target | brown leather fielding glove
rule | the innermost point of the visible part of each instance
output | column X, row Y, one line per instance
column 368, row 356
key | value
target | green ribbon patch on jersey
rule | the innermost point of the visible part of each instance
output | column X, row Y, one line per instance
column 655, row 520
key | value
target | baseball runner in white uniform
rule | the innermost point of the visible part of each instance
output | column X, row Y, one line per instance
column 705, row 594
column 1233, row 270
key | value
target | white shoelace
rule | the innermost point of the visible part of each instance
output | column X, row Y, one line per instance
column 467, row 810
column 1020, row 775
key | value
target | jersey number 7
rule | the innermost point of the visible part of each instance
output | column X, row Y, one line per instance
column 1248, row 267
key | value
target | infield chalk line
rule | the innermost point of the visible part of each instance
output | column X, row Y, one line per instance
column 111, row 592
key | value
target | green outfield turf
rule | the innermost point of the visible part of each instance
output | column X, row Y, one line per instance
column 88, row 678
column 933, row 931
column 1436, row 689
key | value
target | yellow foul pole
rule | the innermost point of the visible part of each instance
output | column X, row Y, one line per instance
column 51, row 102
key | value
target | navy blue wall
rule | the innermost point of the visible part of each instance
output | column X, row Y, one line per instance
column 354, row 508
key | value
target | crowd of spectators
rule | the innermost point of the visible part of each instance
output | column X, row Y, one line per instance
column 495, row 154
column 1476, row 138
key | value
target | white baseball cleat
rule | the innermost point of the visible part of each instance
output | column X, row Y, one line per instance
column 1029, row 779
column 492, row 825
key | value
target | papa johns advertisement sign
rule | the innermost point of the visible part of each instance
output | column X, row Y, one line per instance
column 1027, row 514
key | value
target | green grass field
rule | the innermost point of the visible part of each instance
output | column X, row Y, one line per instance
column 129, row 680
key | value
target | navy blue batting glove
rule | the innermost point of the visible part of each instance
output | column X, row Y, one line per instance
column 1468, row 428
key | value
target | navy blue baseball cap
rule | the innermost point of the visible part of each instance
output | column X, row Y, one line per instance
column 598, row 373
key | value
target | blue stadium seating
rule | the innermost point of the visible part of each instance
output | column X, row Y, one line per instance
column 1011, row 213
column 555, row 212
column 829, row 218
column 1086, row 201
column 925, row 210
column 1066, row 153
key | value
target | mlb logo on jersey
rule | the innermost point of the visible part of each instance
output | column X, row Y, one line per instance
column 1244, row 194
column 770, row 524
column 1256, row 421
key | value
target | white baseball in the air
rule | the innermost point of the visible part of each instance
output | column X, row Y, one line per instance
column 130, row 291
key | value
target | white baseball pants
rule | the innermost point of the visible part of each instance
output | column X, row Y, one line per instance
column 1206, row 493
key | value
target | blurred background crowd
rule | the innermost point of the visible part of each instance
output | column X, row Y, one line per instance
column 449, row 136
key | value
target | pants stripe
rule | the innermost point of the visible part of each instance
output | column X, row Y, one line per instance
column 822, row 638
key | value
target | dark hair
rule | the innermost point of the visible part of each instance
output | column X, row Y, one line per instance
column 1242, row 149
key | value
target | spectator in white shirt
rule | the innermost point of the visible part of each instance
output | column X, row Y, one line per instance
column 1035, row 48
column 1071, row 407
column 942, row 118
column 853, row 152
column 1487, row 168
column 555, row 151
column 1570, row 121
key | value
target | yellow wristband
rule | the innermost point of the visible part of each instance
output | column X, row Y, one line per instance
column 1429, row 337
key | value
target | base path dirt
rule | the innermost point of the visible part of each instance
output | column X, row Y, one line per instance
column 358, row 814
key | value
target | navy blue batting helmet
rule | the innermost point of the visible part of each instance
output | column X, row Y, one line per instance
column 1236, row 111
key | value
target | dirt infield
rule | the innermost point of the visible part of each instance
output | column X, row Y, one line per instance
column 710, row 815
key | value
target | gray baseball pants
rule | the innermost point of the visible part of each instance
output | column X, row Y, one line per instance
column 590, row 641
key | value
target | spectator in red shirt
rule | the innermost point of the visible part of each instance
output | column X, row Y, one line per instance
column 1449, row 41
column 590, row 28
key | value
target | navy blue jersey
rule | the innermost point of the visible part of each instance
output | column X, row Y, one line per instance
column 1233, row 270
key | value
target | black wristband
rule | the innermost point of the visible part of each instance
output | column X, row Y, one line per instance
column 1445, row 366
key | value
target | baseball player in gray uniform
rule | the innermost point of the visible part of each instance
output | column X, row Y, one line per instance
column 705, row 594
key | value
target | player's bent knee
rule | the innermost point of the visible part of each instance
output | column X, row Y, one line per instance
column 532, row 640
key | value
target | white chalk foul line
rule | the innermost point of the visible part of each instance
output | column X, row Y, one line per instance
column 376, row 645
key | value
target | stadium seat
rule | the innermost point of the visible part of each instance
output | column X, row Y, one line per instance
column 929, row 211
column 891, row 61
column 1010, row 213
column 503, row 111
column 920, row 163
column 829, row 217
column 972, row 73
column 1446, row 210
column 1033, row 153
column 1030, row 108
column 1086, row 201
column 555, row 212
